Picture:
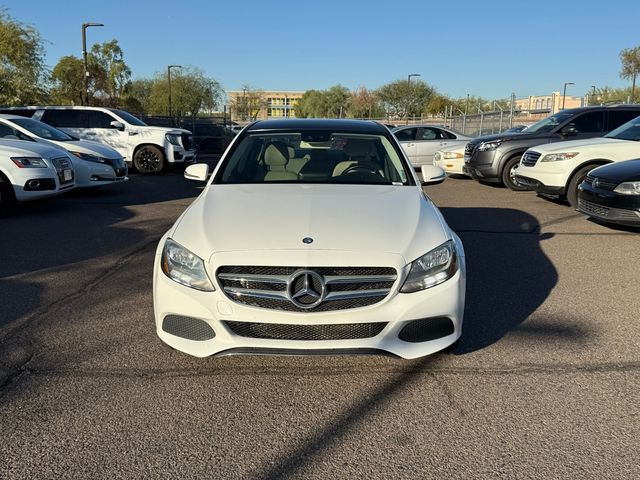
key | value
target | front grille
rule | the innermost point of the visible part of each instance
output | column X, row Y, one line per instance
column 529, row 159
column 273, row 287
column 614, row 214
column 282, row 331
column 468, row 149
column 601, row 183
column 61, row 164
column 187, row 141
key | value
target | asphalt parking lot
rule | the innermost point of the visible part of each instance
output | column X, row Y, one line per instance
column 543, row 384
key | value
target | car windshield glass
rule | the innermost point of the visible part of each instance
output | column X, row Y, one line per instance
column 314, row 156
column 549, row 123
column 42, row 130
column 628, row 131
column 130, row 119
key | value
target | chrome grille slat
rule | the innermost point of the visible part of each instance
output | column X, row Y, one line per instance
column 268, row 286
column 529, row 159
column 330, row 280
column 351, row 294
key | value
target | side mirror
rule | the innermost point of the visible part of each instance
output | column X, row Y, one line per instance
column 569, row 131
column 198, row 172
column 432, row 175
column 117, row 125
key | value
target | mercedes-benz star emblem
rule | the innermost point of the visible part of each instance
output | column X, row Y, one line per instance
column 306, row 289
column 595, row 183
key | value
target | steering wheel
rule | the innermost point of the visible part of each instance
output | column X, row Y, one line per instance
column 360, row 168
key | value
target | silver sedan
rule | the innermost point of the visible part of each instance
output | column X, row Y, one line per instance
column 421, row 142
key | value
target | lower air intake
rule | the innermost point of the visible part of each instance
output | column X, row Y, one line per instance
column 188, row 327
column 426, row 329
column 281, row 331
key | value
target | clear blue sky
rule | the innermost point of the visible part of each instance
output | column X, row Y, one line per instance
column 487, row 47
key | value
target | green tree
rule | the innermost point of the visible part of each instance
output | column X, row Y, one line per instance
column 191, row 92
column 248, row 105
column 630, row 59
column 312, row 104
column 137, row 96
column 67, row 81
column 22, row 71
column 112, row 75
column 403, row 99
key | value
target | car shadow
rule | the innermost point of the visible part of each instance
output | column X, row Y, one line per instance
column 508, row 274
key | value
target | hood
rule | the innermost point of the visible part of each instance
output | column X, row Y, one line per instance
column 505, row 137
column 627, row 171
column 89, row 147
column 26, row 148
column 158, row 130
column 580, row 145
column 360, row 218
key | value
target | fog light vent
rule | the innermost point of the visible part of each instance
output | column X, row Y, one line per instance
column 188, row 327
column 426, row 329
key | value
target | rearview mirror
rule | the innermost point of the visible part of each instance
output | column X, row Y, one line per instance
column 198, row 172
column 117, row 125
column 432, row 175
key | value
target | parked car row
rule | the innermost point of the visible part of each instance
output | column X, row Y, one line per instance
column 555, row 157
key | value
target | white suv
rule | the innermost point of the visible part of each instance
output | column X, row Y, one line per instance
column 148, row 148
column 559, row 168
column 30, row 171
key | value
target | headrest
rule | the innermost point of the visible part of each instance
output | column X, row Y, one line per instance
column 276, row 155
column 357, row 147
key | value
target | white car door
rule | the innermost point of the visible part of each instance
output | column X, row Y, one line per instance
column 101, row 130
column 407, row 138
column 428, row 142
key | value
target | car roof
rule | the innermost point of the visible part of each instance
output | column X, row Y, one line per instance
column 7, row 116
column 346, row 125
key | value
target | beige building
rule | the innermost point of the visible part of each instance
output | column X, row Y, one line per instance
column 549, row 103
column 247, row 105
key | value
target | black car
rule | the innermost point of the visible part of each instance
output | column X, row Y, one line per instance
column 611, row 193
column 494, row 158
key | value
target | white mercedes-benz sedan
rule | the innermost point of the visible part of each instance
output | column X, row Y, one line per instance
column 311, row 236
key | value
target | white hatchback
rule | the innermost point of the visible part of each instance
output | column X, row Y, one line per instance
column 311, row 236
column 95, row 164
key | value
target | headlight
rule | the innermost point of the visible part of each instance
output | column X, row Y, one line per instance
column 433, row 268
column 628, row 188
column 182, row 266
column 451, row 155
column 492, row 145
column 556, row 157
column 29, row 162
column 89, row 158
column 173, row 138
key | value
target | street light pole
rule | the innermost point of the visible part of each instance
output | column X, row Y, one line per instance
column 409, row 90
column 85, row 94
column 564, row 92
column 244, row 104
column 169, row 79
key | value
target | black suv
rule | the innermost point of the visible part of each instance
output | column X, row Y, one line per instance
column 495, row 158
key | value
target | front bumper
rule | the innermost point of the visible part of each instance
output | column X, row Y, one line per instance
column 609, row 206
column 538, row 186
column 444, row 301
column 178, row 154
column 451, row 167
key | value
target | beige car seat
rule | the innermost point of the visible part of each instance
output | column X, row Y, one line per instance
column 276, row 157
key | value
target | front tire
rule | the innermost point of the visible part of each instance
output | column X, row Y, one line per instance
column 149, row 159
column 508, row 174
column 7, row 196
column 572, row 187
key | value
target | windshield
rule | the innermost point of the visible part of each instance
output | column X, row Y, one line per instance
column 130, row 119
column 43, row 130
column 628, row 131
column 549, row 123
column 313, row 156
